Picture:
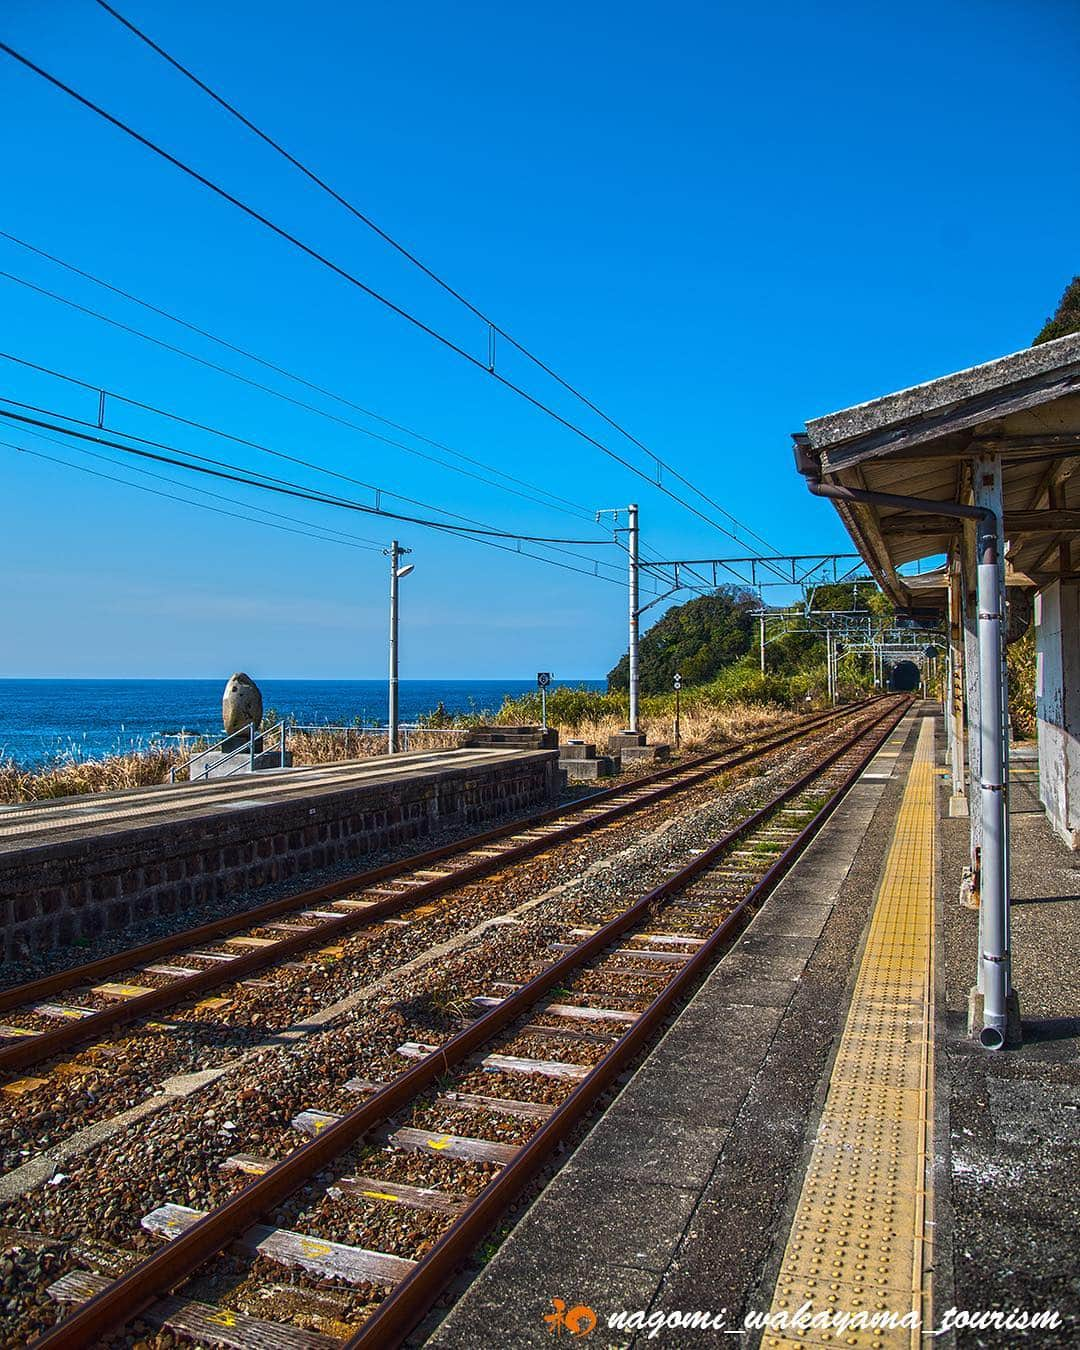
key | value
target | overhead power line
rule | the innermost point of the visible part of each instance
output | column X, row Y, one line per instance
column 411, row 257
column 244, row 379
column 507, row 542
column 555, row 502
column 329, row 537
column 251, row 478
column 345, row 275
column 278, row 393
column 248, row 443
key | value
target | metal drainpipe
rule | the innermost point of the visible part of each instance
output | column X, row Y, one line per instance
column 994, row 912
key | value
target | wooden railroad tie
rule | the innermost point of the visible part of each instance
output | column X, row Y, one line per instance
column 330, row 1260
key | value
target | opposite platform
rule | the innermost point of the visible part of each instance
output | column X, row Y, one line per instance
column 81, row 866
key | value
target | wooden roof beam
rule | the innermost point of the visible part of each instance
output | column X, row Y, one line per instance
column 1016, row 522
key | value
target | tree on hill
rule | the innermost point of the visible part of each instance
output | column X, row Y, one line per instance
column 697, row 639
column 850, row 595
column 1066, row 317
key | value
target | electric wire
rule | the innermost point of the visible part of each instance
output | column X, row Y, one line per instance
column 282, row 488
column 268, row 389
column 221, row 469
column 186, row 501
column 358, row 540
column 255, row 445
column 345, row 275
column 194, row 357
column 575, row 507
column 418, row 263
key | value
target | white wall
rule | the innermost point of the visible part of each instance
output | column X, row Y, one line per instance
column 1057, row 702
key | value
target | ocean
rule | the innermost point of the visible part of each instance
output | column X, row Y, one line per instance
column 90, row 718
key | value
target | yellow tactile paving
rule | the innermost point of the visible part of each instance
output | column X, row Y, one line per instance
column 860, row 1241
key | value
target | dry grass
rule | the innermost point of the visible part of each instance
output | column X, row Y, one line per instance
column 333, row 746
column 68, row 776
column 71, row 777
column 700, row 726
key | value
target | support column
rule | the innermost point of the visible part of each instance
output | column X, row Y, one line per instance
column 993, row 1009
column 1057, row 703
column 972, row 700
column 954, row 696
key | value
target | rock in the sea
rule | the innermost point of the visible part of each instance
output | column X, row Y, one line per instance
column 241, row 704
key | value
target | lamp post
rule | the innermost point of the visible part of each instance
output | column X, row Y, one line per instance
column 396, row 573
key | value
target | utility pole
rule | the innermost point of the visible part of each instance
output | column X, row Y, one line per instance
column 396, row 573
column 761, row 620
column 635, row 610
column 634, row 567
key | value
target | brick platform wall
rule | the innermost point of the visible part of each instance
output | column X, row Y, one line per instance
column 52, row 894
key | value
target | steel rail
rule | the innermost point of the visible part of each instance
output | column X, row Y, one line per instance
column 131, row 1293
column 412, row 1298
column 31, row 1050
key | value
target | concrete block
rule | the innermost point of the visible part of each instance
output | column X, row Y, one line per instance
column 587, row 770
column 576, row 750
column 620, row 739
column 645, row 754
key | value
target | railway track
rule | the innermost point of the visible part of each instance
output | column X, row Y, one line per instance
column 525, row 1069
column 50, row 1016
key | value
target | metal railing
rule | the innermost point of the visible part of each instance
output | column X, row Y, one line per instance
column 238, row 754
column 359, row 731
column 247, row 752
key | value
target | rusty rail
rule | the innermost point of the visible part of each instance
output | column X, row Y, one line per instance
column 165, row 1269
column 32, row 1050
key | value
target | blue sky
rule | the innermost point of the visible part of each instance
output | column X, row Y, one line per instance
column 717, row 220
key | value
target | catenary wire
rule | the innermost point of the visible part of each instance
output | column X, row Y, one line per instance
column 265, row 388
column 257, row 445
column 186, row 501
column 358, row 540
column 423, row 267
column 355, row 281
column 575, row 507
column 305, row 495
column 221, row 469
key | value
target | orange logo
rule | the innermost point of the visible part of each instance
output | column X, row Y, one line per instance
column 578, row 1321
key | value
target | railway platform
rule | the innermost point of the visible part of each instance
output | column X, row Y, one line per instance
column 74, row 868
column 816, row 1133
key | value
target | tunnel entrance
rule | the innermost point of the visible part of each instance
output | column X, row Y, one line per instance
column 904, row 677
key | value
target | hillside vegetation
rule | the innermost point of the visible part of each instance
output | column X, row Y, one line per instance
column 699, row 639
column 1066, row 318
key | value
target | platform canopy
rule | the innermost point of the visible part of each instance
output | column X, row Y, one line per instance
column 922, row 442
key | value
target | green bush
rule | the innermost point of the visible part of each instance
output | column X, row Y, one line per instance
column 567, row 705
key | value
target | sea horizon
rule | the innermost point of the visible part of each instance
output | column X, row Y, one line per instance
column 86, row 717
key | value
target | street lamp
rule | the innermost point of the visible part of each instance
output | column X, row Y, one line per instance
column 396, row 573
